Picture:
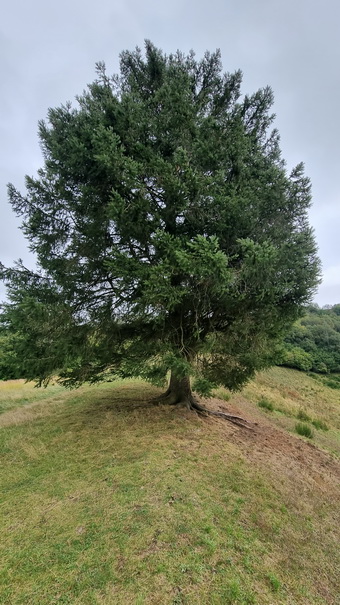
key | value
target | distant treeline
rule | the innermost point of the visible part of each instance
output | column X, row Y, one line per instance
column 9, row 360
column 313, row 343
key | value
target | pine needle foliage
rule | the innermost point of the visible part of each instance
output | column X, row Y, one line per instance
column 167, row 231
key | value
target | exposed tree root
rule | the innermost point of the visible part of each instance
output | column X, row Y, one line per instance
column 167, row 398
column 229, row 417
column 191, row 403
column 179, row 393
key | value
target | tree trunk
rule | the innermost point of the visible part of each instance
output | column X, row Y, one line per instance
column 178, row 392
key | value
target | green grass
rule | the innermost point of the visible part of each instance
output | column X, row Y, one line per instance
column 330, row 380
column 267, row 405
column 333, row 384
column 302, row 415
column 319, row 424
column 107, row 500
column 16, row 393
column 291, row 392
column 304, row 430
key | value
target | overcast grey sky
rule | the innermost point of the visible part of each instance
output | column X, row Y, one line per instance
column 48, row 52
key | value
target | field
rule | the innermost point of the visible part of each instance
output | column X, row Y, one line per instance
column 106, row 499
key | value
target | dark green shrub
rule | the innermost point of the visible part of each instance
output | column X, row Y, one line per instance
column 299, row 359
column 320, row 367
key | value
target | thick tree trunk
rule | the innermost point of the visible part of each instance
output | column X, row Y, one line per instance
column 178, row 392
column 180, row 388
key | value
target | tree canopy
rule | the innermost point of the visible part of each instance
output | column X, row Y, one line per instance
column 168, row 234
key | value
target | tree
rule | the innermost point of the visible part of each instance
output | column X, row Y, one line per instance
column 9, row 365
column 316, row 338
column 168, row 234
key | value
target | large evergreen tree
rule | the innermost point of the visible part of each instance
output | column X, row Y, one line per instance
column 168, row 234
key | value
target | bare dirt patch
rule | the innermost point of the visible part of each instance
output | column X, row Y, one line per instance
column 275, row 448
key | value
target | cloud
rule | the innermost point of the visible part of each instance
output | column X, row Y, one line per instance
column 48, row 52
column 331, row 276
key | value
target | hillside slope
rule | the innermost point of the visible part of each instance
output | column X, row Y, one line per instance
column 108, row 500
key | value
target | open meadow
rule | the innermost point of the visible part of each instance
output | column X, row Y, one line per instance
column 107, row 499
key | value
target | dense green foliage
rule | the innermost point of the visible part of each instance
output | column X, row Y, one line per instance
column 167, row 231
column 10, row 365
column 313, row 343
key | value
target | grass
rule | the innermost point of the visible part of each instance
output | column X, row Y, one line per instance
column 319, row 424
column 16, row 393
column 267, row 405
column 304, row 430
column 302, row 415
column 291, row 393
column 330, row 380
column 107, row 500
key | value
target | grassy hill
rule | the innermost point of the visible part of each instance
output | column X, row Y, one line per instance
column 109, row 500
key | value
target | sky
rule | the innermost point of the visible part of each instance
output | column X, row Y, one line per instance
column 48, row 53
